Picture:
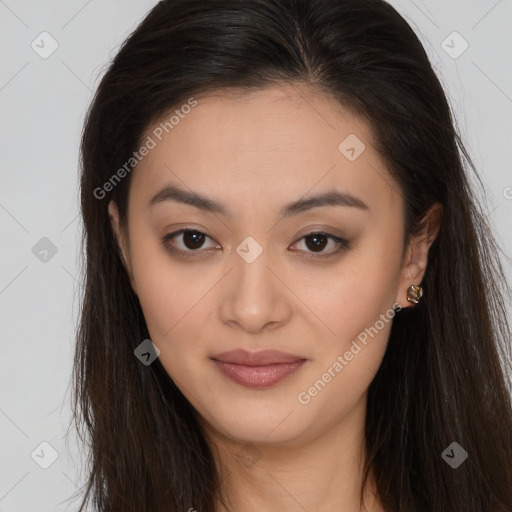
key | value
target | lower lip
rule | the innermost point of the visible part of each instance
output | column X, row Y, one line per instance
column 258, row 376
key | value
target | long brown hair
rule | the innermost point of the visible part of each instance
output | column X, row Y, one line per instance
column 445, row 375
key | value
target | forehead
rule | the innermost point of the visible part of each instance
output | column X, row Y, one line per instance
column 269, row 144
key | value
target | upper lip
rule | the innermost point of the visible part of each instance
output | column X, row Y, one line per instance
column 259, row 358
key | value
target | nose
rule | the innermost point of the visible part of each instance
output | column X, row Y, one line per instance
column 256, row 296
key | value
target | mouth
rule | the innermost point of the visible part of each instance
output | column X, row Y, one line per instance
column 257, row 369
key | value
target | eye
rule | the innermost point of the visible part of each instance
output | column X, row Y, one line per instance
column 316, row 241
column 192, row 240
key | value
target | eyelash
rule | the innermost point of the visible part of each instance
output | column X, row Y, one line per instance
column 342, row 244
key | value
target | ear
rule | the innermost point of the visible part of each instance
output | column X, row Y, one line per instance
column 121, row 241
column 416, row 257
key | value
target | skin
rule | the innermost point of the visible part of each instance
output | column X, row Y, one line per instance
column 255, row 153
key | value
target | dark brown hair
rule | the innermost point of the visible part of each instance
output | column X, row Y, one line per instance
column 445, row 375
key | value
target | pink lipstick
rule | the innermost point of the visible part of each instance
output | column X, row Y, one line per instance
column 257, row 369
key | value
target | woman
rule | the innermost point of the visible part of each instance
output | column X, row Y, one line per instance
column 292, row 299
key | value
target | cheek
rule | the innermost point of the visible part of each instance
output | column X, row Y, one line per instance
column 172, row 303
column 163, row 292
column 363, row 286
column 177, row 304
column 360, row 315
column 358, row 309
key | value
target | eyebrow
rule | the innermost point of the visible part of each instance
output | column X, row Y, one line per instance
column 329, row 198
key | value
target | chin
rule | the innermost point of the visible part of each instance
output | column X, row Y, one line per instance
column 285, row 427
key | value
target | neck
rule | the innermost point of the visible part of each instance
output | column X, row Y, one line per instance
column 321, row 472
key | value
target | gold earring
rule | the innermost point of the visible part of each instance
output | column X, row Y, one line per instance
column 414, row 293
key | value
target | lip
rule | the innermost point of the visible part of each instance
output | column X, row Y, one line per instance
column 257, row 369
column 258, row 358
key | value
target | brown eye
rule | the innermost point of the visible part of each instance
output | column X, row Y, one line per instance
column 316, row 242
column 191, row 241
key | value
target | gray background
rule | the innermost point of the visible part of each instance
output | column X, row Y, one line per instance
column 43, row 102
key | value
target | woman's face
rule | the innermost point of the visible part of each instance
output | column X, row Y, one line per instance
column 249, row 276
